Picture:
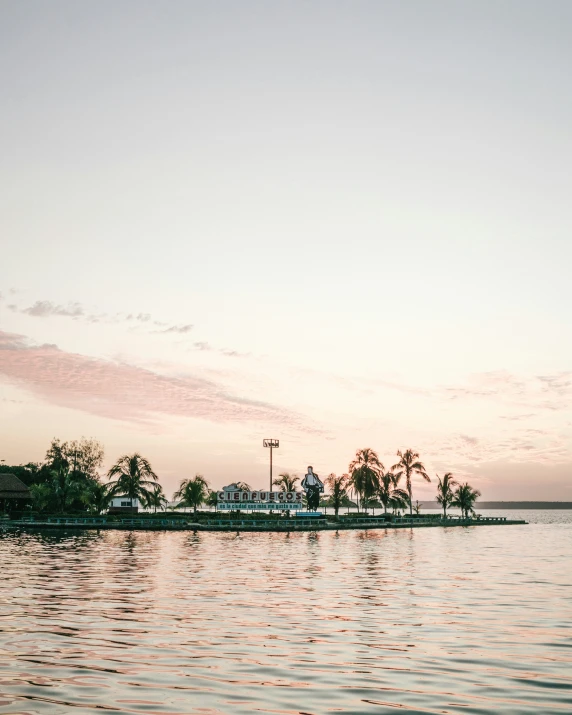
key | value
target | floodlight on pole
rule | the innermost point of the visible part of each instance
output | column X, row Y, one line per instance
column 272, row 444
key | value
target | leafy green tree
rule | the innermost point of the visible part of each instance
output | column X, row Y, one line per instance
column 192, row 492
column 67, row 488
column 70, row 472
column 338, row 487
column 243, row 486
column 83, row 457
column 134, row 478
column 365, row 471
column 389, row 493
column 286, row 482
column 28, row 473
column 409, row 465
column 445, row 492
column 68, row 477
column 464, row 498
column 86, row 456
column 42, row 497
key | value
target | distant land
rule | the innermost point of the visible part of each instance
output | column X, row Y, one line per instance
column 507, row 505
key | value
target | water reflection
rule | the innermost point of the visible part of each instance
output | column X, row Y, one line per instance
column 432, row 621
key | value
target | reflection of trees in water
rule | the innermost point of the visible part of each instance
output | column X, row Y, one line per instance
column 130, row 567
column 186, row 553
column 370, row 553
column 385, row 563
column 137, row 556
column 75, row 539
column 54, row 558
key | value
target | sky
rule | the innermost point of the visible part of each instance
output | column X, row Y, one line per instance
column 338, row 224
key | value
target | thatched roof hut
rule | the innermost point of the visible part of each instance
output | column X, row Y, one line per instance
column 13, row 488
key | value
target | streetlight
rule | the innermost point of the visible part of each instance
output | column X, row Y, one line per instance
column 272, row 443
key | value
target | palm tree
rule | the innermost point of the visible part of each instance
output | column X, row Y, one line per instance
column 157, row 499
column 464, row 498
column 389, row 492
column 42, row 496
column 286, row 482
column 134, row 478
column 192, row 492
column 243, row 486
column 445, row 491
column 399, row 501
column 98, row 497
column 212, row 499
column 409, row 465
column 373, row 504
column 365, row 472
column 339, row 491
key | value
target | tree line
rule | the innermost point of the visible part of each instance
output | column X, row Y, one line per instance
column 377, row 487
column 68, row 481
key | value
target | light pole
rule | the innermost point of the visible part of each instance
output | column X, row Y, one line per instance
column 272, row 443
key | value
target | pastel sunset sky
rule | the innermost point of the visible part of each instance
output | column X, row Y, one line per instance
column 340, row 224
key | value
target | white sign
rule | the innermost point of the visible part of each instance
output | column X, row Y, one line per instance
column 230, row 498
column 257, row 506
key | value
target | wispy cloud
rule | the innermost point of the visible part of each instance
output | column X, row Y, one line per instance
column 534, row 392
column 206, row 347
column 461, row 450
column 559, row 384
column 126, row 392
column 44, row 308
column 181, row 329
column 539, row 392
column 518, row 418
column 76, row 311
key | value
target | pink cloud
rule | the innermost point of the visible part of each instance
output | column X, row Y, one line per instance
column 122, row 391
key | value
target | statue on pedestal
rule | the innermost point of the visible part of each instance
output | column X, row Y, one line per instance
column 313, row 487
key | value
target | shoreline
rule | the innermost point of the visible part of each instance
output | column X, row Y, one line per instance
column 244, row 525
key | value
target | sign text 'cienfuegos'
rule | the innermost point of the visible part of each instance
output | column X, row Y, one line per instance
column 232, row 498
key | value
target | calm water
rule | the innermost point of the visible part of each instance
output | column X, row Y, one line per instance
column 460, row 620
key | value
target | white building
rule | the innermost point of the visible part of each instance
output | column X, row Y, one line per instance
column 123, row 505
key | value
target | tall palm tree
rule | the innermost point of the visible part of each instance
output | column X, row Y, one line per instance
column 134, row 477
column 389, row 492
column 339, row 491
column 445, row 491
column 409, row 465
column 192, row 492
column 286, row 482
column 365, row 472
column 464, row 498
